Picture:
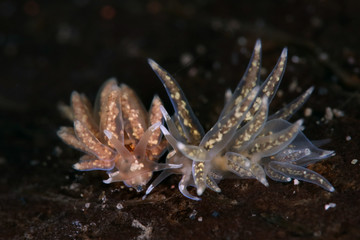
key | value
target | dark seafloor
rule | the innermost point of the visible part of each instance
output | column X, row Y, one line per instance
column 50, row 48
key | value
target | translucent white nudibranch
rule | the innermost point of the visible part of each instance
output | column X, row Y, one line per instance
column 245, row 140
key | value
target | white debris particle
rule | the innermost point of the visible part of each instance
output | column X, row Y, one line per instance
column 146, row 230
column 228, row 95
column 307, row 112
column 87, row 205
column 242, row 41
column 65, row 34
column 28, row 236
column 57, row 151
column 354, row 161
column 119, row 206
column 293, row 85
column 328, row 114
column 323, row 56
column 200, row 219
column 348, row 138
column 193, row 214
column 104, row 199
column 280, row 93
column 193, row 72
column 296, row 182
column 201, row 49
column 295, row 59
column 74, row 186
column 338, row 113
column 186, row 59
column 330, row 205
column 317, row 234
column 77, row 223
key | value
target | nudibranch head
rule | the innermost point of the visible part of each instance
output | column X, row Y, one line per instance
column 118, row 135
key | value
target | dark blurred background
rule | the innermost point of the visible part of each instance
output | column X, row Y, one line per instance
column 50, row 48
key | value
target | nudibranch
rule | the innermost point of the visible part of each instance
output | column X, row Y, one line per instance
column 245, row 141
column 118, row 136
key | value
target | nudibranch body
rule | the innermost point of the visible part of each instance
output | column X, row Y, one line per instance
column 245, row 140
column 118, row 136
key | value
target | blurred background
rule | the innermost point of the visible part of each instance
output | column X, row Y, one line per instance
column 50, row 48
